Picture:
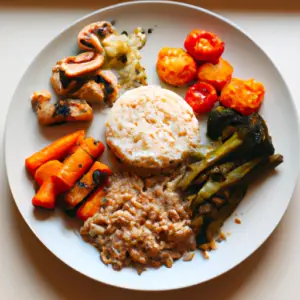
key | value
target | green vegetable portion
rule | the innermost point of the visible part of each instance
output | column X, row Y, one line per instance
column 211, row 158
column 236, row 176
column 217, row 182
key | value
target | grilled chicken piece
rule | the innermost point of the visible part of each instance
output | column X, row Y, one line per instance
column 101, row 89
column 69, row 110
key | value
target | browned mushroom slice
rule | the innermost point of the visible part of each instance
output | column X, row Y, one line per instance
column 109, row 83
column 82, row 64
column 103, row 88
column 70, row 110
column 61, row 84
column 89, row 38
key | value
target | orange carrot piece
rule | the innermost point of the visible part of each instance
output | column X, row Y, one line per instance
column 92, row 147
column 78, row 163
column 46, row 195
column 55, row 151
column 96, row 176
column 47, row 170
column 76, row 146
column 73, row 168
column 92, row 205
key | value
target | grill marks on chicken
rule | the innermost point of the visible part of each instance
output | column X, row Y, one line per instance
column 101, row 88
column 67, row 110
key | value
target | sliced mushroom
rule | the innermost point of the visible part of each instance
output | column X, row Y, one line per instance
column 61, row 84
column 101, row 89
column 82, row 64
column 69, row 110
column 90, row 37
column 69, row 73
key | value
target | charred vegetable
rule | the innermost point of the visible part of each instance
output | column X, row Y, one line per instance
column 219, row 119
column 202, row 152
column 96, row 176
column 215, row 185
column 211, row 187
column 213, row 228
column 212, row 158
column 218, row 173
column 224, row 122
column 236, row 176
column 257, row 139
column 75, row 166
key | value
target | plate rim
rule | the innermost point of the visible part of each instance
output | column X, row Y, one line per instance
column 139, row 2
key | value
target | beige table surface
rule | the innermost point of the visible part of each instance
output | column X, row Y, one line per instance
column 29, row 271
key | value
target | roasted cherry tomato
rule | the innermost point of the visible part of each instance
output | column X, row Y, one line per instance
column 204, row 46
column 217, row 75
column 245, row 96
column 176, row 67
column 201, row 97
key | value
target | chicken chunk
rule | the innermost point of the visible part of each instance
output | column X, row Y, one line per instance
column 69, row 110
column 101, row 89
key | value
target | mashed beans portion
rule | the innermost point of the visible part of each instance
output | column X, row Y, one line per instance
column 142, row 222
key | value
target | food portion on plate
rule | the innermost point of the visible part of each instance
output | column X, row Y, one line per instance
column 216, row 184
column 151, row 127
column 244, row 96
column 151, row 220
column 141, row 223
column 66, row 110
column 203, row 69
column 109, row 65
column 69, row 168
column 176, row 67
column 215, row 74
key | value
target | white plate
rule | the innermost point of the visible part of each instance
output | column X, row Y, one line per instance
column 263, row 206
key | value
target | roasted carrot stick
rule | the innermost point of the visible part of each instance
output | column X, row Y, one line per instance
column 96, row 176
column 76, row 146
column 57, row 150
column 78, row 163
column 73, row 168
column 93, row 147
column 46, row 195
column 45, row 171
column 92, row 205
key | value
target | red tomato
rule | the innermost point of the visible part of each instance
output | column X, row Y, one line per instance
column 201, row 97
column 204, row 46
column 245, row 96
column 217, row 75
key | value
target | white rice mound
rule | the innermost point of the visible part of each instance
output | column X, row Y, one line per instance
column 152, row 127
